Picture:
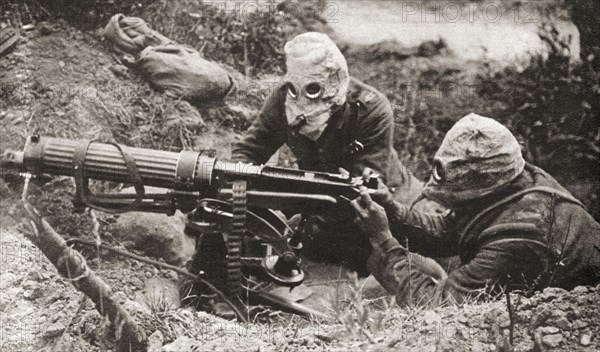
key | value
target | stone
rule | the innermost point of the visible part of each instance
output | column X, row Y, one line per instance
column 525, row 315
column 308, row 341
column 136, row 307
column 573, row 314
column 171, row 275
column 119, row 297
column 30, row 285
column 477, row 346
column 58, row 305
column 497, row 316
column 551, row 293
column 562, row 323
column 137, row 282
column 579, row 324
column 585, row 340
column 463, row 333
column 44, row 28
column 34, row 293
column 223, row 310
column 579, row 290
column 119, row 71
column 35, row 276
column 157, row 235
column 525, row 304
column 526, row 345
column 548, row 330
column 7, row 280
column 54, row 330
column 183, row 343
column 504, row 322
column 553, row 340
column 534, row 301
column 430, row 317
column 155, row 341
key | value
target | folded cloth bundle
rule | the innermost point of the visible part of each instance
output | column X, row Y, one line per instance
column 132, row 35
column 173, row 68
column 181, row 72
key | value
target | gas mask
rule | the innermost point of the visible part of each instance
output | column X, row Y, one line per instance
column 478, row 157
column 316, row 83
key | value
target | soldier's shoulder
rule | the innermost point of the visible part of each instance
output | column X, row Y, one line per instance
column 366, row 97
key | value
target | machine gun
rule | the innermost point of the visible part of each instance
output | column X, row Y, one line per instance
column 230, row 204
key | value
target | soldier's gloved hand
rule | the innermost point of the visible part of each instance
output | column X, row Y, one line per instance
column 371, row 217
column 382, row 195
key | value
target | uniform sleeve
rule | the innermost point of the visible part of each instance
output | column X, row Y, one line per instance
column 266, row 135
column 376, row 133
column 431, row 235
column 418, row 280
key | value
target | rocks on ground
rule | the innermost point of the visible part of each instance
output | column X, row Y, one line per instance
column 156, row 235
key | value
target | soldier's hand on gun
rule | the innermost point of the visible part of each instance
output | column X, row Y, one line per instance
column 382, row 195
column 370, row 216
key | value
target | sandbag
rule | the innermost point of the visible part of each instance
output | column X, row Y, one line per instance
column 181, row 72
column 132, row 35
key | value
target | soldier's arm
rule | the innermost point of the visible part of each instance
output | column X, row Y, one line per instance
column 266, row 135
column 376, row 133
column 431, row 235
column 416, row 279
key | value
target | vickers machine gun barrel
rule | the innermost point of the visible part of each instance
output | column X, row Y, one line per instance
column 230, row 203
column 189, row 174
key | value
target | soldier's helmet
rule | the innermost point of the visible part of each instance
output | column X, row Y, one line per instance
column 478, row 156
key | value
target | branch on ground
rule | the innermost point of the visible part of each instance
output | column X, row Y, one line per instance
column 71, row 265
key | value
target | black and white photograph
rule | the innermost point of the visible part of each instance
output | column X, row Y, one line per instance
column 299, row 175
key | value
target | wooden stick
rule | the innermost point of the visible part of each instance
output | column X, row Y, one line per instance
column 181, row 271
column 71, row 265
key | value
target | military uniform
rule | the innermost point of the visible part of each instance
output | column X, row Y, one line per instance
column 528, row 235
column 358, row 135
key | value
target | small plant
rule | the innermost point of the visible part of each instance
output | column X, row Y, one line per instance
column 159, row 304
column 359, row 315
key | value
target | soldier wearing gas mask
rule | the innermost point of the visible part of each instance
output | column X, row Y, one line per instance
column 511, row 223
column 329, row 121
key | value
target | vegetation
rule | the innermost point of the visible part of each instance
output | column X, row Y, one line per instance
column 550, row 102
column 248, row 40
column 553, row 106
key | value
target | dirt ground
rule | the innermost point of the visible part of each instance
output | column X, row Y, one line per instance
column 63, row 82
